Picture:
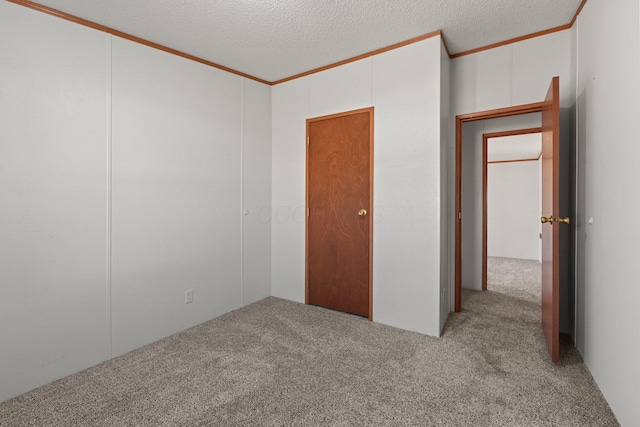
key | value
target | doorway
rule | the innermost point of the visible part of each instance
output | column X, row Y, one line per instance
column 511, row 195
column 550, row 113
column 339, row 201
column 512, row 247
column 470, row 242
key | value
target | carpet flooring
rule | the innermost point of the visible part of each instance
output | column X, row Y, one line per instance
column 279, row 363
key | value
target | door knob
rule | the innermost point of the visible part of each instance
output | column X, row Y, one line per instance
column 362, row 212
column 551, row 219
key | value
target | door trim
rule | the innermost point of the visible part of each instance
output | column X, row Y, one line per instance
column 460, row 120
column 485, row 185
column 369, row 110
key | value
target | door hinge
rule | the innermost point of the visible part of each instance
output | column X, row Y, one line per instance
column 459, row 215
column 308, row 212
column 308, row 140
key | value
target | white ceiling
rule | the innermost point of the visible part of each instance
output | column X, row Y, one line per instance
column 516, row 147
column 275, row 39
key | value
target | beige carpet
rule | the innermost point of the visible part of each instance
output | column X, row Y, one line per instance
column 278, row 363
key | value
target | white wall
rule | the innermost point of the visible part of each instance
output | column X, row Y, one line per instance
column 53, row 199
column 471, row 205
column 123, row 175
column 513, row 209
column 608, row 110
column 404, row 86
column 514, row 74
column 176, row 194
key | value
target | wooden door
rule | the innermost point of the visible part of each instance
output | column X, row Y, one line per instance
column 551, row 219
column 339, row 211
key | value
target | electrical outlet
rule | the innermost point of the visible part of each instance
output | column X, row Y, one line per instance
column 188, row 296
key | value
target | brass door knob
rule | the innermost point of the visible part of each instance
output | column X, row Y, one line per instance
column 551, row 219
column 362, row 212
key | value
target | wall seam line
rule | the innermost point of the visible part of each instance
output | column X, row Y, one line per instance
column 242, row 207
column 510, row 74
column 109, row 196
column 371, row 95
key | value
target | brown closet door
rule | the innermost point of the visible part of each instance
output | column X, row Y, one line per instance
column 339, row 215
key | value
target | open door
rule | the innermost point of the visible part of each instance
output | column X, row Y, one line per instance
column 551, row 220
column 550, row 110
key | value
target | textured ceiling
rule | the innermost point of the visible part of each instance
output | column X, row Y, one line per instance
column 517, row 147
column 275, row 39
